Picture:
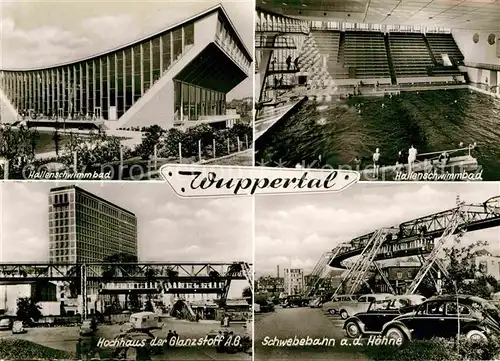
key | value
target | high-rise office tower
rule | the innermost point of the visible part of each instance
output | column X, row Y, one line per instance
column 85, row 228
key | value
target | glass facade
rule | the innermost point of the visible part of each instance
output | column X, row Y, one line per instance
column 88, row 89
column 84, row 228
column 192, row 102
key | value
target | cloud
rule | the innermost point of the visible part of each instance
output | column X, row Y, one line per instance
column 106, row 29
column 38, row 46
column 301, row 228
column 169, row 228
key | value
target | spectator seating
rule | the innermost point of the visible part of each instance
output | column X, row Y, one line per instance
column 410, row 55
column 365, row 51
column 444, row 44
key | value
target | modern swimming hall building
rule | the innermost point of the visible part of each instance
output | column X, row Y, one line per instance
column 177, row 77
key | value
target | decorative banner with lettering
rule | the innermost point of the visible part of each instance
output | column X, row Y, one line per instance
column 218, row 181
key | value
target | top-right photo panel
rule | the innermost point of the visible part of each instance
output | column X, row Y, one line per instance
column 397, row 90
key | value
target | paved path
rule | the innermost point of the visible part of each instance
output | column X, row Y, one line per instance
column 301, row 323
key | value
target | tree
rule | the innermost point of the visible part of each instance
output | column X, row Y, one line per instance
column 18, row 146
column 150, row 275
column 93, row 149
column 75, row 283
column 118, row 263
column 464, row 277
column 247, row 292
column 28, row 310
column 148, row 306
column 151, row 139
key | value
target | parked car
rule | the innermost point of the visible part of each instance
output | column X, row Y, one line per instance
column 294, row 301
column 333, row 306
column 315, row 303
column 361, row 304
column 18, row 327
column 379, row 313
column 5, row 324
column 445, row 316
column 88, row 327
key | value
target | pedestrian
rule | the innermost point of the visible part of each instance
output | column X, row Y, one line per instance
column 412, row 157
column 288, row 62
column 376, row 159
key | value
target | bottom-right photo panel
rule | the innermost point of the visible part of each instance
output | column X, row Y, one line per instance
column 379, row 272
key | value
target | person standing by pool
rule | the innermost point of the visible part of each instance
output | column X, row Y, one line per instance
column 376, row 158
column 412, row 157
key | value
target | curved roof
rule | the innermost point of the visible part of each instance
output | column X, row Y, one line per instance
column 218, row 7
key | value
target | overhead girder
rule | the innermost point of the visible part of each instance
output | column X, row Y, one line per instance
column 186, row 272
column 427, row 228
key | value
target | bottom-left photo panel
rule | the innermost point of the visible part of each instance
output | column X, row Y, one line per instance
column 123, row 271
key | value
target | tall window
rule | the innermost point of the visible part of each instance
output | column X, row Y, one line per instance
column 112, row 80
column 120, row 79
column 189, row 34
column 185, row 100
column 156, row 59
column 137, row 72
column 167, row 51
column 146, row 68
column 177, row 41
column 177, row 100
column 105, row 87
column 192, row 103
column 128, row 76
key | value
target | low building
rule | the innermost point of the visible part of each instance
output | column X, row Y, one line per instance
column 400, row 276
column 269, row 284
column 42, row 292
column 487, row 264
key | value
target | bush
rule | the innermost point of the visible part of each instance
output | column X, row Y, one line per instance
column 435, row 350
column 14, row 349
column 168, row 141
column 94, row 149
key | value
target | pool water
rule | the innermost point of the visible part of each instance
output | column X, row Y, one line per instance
column 340, row 130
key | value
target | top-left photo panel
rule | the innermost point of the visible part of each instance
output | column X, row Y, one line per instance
column 115, row 91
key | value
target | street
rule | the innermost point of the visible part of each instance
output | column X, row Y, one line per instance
column 65, row 338
column 301, row 323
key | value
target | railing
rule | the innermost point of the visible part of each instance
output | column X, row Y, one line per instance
column 482, row 66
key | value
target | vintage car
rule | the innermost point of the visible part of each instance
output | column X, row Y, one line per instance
column 333, row 306
column 145, row 321
column 315, row 303
column 379, row 313
column 446, row 316
column 18, row 327
column 361, row 304
column 88, row 327
column 5, row 324
column 294, row 301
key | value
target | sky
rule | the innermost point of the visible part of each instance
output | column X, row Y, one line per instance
column 43, row 33
column 301, row 228
column 169, row 228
